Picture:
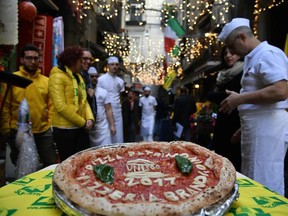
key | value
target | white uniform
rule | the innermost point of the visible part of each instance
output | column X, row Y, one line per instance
column 264, row 126
column 114, row 85
column 148, row 117
column 100, row 133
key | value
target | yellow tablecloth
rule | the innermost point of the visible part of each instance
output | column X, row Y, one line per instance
column 32, row 195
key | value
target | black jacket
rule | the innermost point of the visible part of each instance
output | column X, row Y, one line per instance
column 184, row 107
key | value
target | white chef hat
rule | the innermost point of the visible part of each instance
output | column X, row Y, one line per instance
column 229, row 27
column 147, row 88
column 92, row 70
column 113, row 59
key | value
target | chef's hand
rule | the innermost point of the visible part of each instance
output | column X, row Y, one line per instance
column 90, row 92
column 89, row 124
column 112, row 130
column 230, row 103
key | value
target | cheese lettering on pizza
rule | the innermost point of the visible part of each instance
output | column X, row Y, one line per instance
column 146, row 176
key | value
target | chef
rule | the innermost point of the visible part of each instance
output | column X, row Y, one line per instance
column 104, row 127
column 148, row 104
column 114, row 86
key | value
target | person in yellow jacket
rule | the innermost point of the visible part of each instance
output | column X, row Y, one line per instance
column 40, row 105
column 72, row 115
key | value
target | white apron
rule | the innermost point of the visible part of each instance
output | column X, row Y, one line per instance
column 100, row 134
column 118, row 121
column 263, row 147
column 147, row 125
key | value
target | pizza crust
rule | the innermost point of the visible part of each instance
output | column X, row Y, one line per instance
column 222, row 167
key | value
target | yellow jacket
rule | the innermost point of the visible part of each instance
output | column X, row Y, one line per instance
column 66, row 114
column 38, row 99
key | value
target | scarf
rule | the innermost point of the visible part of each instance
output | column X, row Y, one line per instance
column 77, row 89
column 225, row 76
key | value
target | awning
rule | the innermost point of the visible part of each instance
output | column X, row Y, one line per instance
column 200, row 71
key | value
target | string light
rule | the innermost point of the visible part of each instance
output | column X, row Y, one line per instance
column 149, row 67
column 106, row 7
column 194, row 48
column 258, row 10
column 191, row 13
column 116, row 44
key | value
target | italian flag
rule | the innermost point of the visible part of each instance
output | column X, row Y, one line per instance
column 172, row 33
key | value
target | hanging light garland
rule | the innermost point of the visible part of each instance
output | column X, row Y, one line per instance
column 107, row 7
column 146, row 68
column 127, row 6
column 191, row 12
column 146, row 73
column 258, row 10
column 149, row 67
column 116, row 44
column 195, row 47
column 220, row 11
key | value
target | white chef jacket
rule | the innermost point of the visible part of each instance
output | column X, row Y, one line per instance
column 263, row 66
column 148, row 114
column 114, row 86
column 100, row 134
column 148, row 105
column 264, row 126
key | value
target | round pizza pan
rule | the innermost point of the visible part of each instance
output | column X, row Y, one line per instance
column 71, row 208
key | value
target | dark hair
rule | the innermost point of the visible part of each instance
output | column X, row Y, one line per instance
column 223, row 51
column 131, row 90
column 69, row 56
column 28, row 47
column 223, row 63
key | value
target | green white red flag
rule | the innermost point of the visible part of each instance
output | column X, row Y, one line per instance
column 172, row 33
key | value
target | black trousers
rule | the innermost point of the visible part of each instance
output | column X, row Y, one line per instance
column 70, row 141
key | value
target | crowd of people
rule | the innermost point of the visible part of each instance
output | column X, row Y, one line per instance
column 77, row 107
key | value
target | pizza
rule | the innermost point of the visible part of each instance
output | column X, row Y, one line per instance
column 158, row 178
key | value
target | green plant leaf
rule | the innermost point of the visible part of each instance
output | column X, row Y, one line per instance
column 184, row 165
column 105, row 173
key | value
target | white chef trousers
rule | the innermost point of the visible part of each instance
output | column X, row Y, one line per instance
column 264, row 133
column 118, row 121
column 147, row 127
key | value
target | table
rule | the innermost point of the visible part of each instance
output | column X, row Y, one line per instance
column 32, row 195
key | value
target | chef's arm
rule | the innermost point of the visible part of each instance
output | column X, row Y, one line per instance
column 110, row 117
column 276, row 92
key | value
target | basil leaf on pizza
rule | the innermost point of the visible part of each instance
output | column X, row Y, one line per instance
column 184, row 165
column 105, row 173
column 147, row 179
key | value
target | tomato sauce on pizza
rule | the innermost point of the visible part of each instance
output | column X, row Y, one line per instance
column 146, row 176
